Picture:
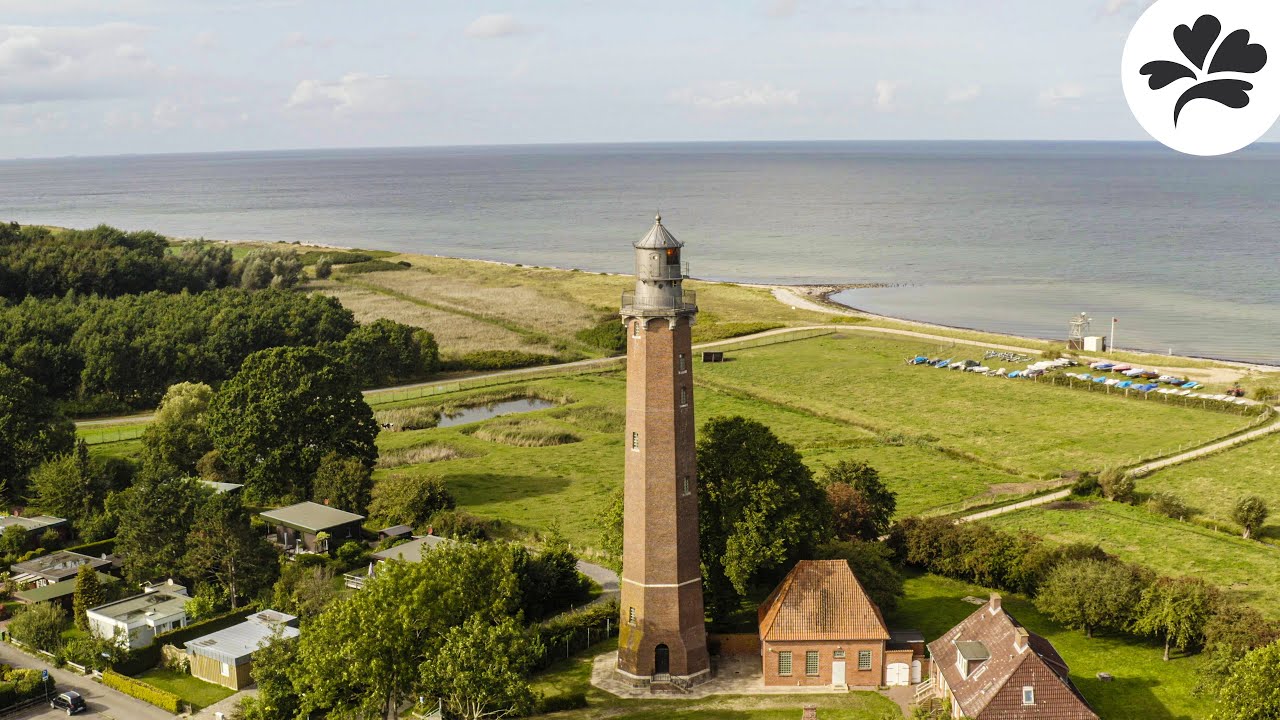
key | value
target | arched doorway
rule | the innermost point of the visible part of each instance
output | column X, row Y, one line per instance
column 661, row 660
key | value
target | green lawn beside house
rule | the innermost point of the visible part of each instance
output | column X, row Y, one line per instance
column 1145, row 687
column 194, row 691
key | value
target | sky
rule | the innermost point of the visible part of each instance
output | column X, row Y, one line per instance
column 103, row 77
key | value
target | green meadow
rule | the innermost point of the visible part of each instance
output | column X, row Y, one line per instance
column 1212, row 485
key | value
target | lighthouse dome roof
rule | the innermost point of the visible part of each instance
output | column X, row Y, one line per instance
column 658, row 237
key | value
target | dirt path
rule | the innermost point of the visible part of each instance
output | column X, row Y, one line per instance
column 1042, row 500
column 1205, row 450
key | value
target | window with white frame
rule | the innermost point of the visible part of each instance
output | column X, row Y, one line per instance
column 631, row 615
column 864, row 659
column 784, row 662
column 838, row 654
column 682, row 367
column 635, row 329
column 635, row 441
column 226, row 670
column 1028, row 695
column 811, row 662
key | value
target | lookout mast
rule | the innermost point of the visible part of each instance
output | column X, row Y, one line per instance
column 663, row 638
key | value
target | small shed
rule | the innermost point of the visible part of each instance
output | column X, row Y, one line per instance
column 712, row 356
column 395, row 531
column 225, row 657
column 297, row 527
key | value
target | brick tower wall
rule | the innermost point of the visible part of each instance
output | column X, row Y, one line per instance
column 661, row 577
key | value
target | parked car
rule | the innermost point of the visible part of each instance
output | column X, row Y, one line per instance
column 71, row 701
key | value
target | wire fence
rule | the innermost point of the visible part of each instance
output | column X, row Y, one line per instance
column 110, row 434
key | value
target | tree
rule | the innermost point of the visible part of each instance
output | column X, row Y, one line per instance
column 1250, row 692
column 277, row 418
column 1090, row 594
column 861, row 506
column 385, row 352
column 1231, row 633
column 270, row 267
column 611, row 532
column 179, row 436
column 40, row 626
column 303, row 590
column 224, row 548
column 273, row 668
column 409, row 499
column 89, row 593
column 549, row 581
column 361, row 656
column 872, row 564
column 344, row 483
column 759, row 509
column 1116, row 484
column 1175, row 609
column 481, row 670
column 31, row 431
column 1250, row 512
column 1169, row 505
column 65, row 486
column 155, row 518
column 324, row 267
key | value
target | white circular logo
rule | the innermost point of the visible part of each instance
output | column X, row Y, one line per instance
column 1201, row 77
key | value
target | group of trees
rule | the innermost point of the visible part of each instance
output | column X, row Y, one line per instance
column 451, row 626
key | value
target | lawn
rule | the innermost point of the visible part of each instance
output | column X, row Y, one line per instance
column 1211, row 485
column 573, row 677
column 1145, row 687
column 569, row 485
column 1023, row 426
column 198, row 693
column 121, row 432
column 1249, row 569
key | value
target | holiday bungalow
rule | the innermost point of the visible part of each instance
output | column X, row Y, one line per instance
column 310, row 527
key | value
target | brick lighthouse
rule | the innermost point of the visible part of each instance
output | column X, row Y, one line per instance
column 662, row 638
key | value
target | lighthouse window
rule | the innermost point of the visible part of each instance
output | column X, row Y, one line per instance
column 631, row 616
column 686, row 485
column 684, row 397
column 635, row 329
column 673, row 256
column 635, row 441
column 682, row 369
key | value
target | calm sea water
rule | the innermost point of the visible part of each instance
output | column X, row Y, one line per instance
column 1013, row 237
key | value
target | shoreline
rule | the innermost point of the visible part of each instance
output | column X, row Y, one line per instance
column 815, row 297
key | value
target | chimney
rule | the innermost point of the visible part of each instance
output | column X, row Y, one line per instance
column 810, row 712
column 995, row 603
column 1021, row 640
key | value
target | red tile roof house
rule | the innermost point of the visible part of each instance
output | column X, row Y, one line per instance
column 818, row 627
column 992, row 668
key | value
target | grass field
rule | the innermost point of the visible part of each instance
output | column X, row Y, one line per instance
column 1145, row 687
column 198, row 693
column 1247, row 568
column 573, row 676
column 1024, row 426
column 1211, row 485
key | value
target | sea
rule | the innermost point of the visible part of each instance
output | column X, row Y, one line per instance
column 1017, row 237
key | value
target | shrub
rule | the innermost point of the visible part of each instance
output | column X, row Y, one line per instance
column 1085, row 485
column 1265, row 393
column 1250, row 512
column 609, row 334
column 324, row 268
column 498, row 360
column 1169, row 505
column 574, row 700
column 40, row 626
column 570, row 629
column 352, row 553
column 142, row 691
column 460, row 525
column 335, row 257
column 409, row 499
column 1116, row 485
column 371, row 266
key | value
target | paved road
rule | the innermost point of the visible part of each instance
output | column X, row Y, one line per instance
column 103, row 702
column 604, row 577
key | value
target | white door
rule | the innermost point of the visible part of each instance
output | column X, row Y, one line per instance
column 897, row 674
column 837, row 673
column 915, row 672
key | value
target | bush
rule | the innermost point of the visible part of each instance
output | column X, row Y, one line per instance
column 1169, row 505
column 1265, row 393
column 498, row 360
column 409, row 499
column 370, row 266
column 40, row 626
column 142, row 691
column 1116, row 485
column 335, row 257
column 570, row 629
column 1250, row 512
column 460, row 525
column 324, row 268
column 574, row 700
column 352, row 553
column 1086, row 485
column 609, row 335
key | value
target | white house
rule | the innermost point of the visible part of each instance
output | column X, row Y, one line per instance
column 137, row 620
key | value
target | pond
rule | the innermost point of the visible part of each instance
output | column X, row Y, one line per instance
column 476, row 413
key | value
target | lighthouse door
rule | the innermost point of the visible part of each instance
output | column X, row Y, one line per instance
column 661, row 660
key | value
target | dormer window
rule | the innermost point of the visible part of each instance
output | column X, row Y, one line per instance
column 1028, row 695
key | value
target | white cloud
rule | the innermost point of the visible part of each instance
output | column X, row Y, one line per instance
column 352, row 93
column 1061, row 93
column 964, row 94
column 300, row 40
column 886, row 90
column 40, row 63
column 735, row 95
column 207, row 41
column 495, row 26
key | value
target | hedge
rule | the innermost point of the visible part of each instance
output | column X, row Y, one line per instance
column 576, row 630
column 147, row 693
column 497, row 360
column 19, row 684
column 143, row 659
column 95, row 549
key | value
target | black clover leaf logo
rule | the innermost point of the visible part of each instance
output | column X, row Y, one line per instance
column 1235, row 55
